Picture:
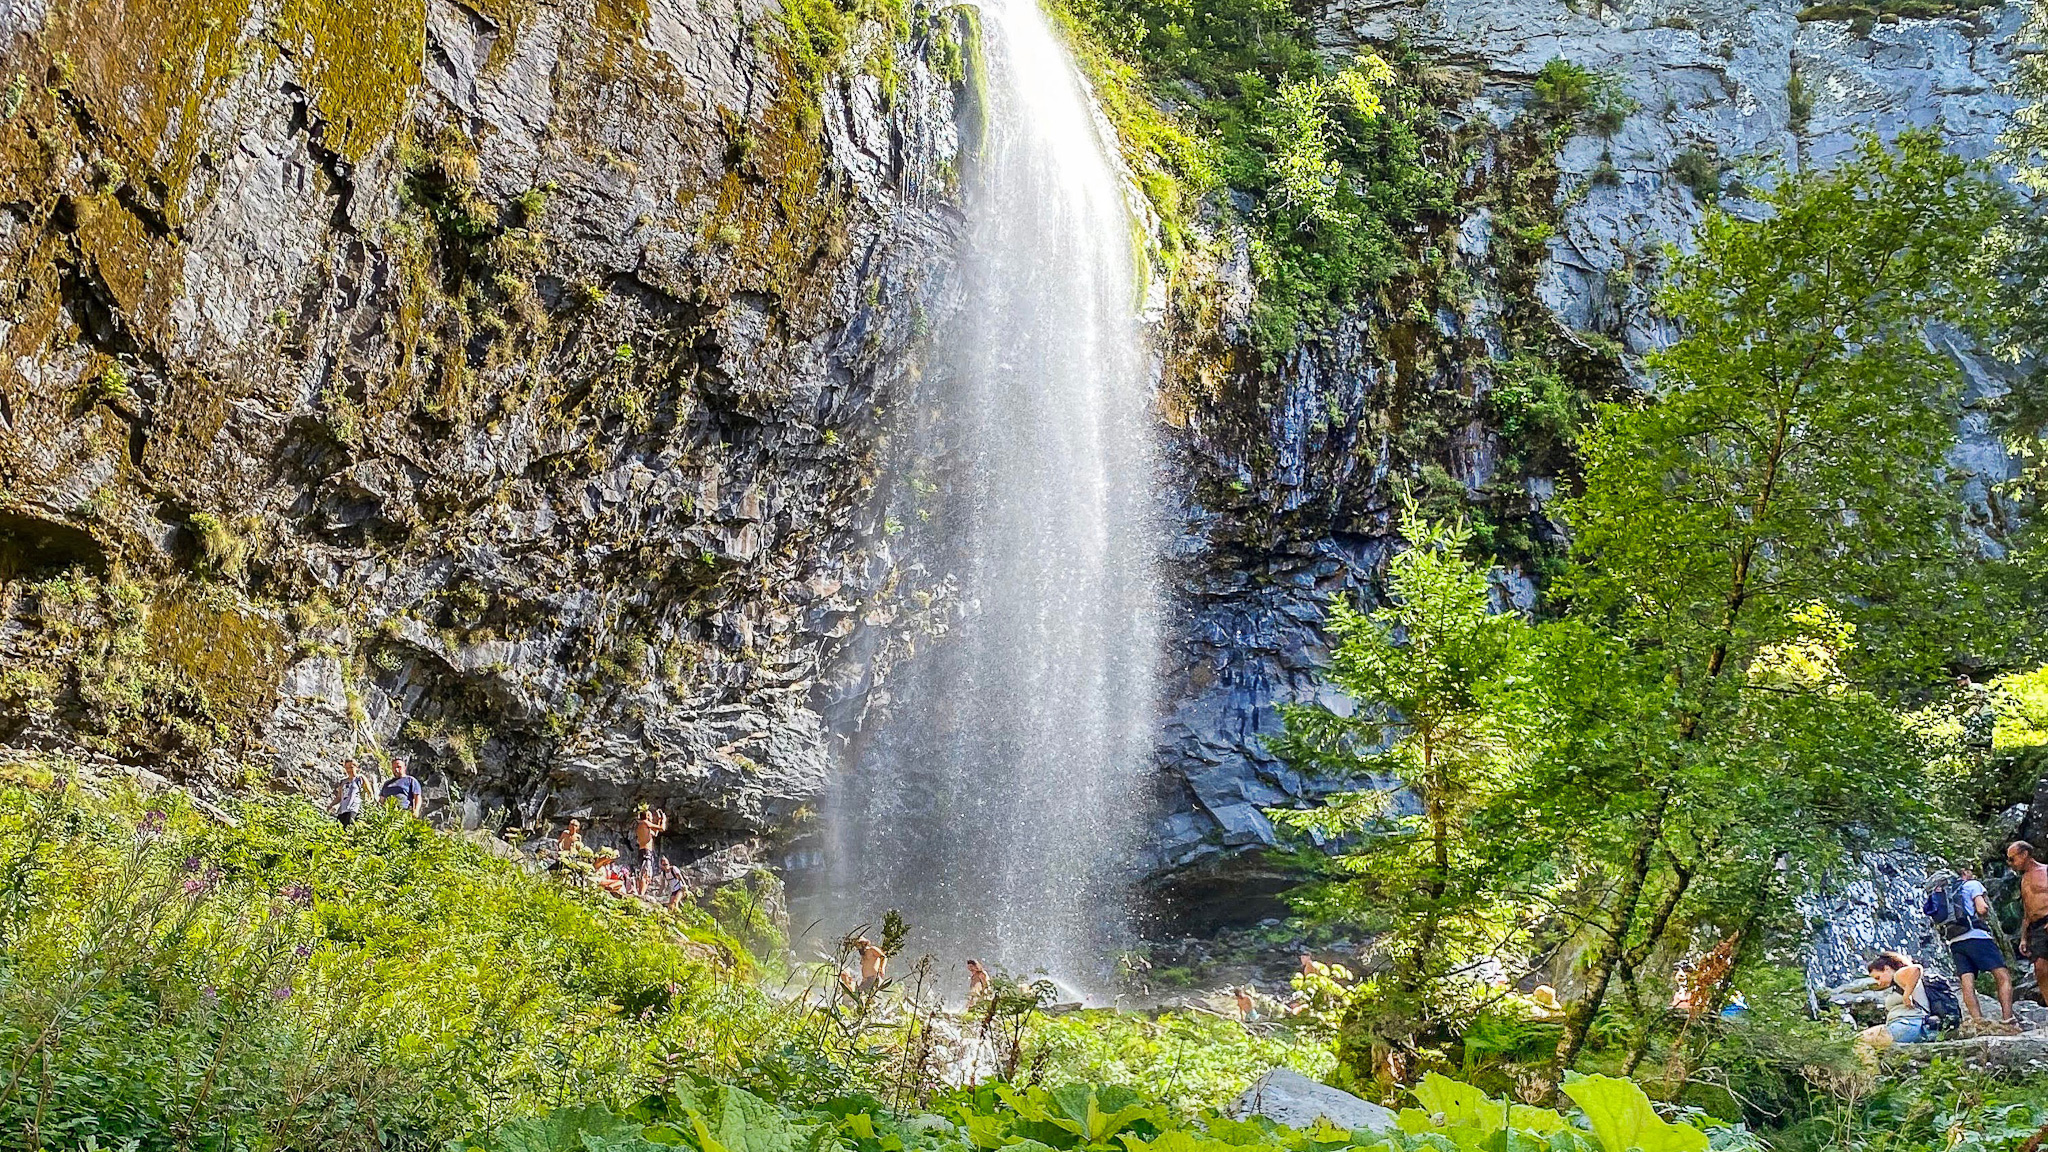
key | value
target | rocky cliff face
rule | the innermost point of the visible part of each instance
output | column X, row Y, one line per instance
column 502, row 384
column 507, row 384
column 1290, row 476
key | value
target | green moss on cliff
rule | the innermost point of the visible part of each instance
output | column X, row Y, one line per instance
column 360, row 60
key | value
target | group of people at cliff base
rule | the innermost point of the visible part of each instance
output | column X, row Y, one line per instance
column 1918, row 1002
column 655, row 879
column 355, row 790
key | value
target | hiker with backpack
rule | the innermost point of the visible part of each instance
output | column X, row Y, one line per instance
column 1961, row 911
column 1917, row 1003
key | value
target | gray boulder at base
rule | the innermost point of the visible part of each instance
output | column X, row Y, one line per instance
column 1287, row 1097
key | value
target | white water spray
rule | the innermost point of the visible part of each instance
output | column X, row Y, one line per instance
column 1002, row 803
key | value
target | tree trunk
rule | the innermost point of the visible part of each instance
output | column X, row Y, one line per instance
column 1578, row 1020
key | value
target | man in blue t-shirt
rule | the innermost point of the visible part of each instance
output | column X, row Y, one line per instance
column 1974, row 950
column 402, row 788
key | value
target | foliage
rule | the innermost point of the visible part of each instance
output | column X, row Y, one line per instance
column 1795, row 436
column 1439, row 702
column 283, row 981
column 1617, row 1116
column 2022, row 710
column 1328, row 155
column 1944, row 1108
column 1187, row 1060
column 1767, row 552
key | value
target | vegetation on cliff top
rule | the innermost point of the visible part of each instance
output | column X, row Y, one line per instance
column 1228, row 108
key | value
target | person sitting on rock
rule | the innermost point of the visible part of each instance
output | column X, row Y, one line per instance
column 1908, row 1017
column 610, row 875
column 570, row 842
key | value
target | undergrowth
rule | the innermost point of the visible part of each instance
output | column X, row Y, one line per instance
column 171, row 982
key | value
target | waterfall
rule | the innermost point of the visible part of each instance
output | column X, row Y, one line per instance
column 1001, row 802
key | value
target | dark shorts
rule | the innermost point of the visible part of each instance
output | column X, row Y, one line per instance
column 346, row 818
column 1973, row 956
column 647, row 862
column 2036, row 936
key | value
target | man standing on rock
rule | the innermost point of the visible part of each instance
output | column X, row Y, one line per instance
column 402, row 788
column 2021, row 857
column 1970, row 946
column 646, row 830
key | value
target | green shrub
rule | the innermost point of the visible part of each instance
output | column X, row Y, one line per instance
column 286, row 982
column 1563, row 91
column 1187, row 1060
column 1698, row 170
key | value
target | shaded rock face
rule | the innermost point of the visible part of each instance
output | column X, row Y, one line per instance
column 502, row 385
column 1290, row 478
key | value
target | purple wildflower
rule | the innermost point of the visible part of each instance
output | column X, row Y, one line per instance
column 208, row 996
column 282, row 992
column 298, row 894
column 303, row 951
column 194, row 863
column 152, row 823
column 194, row 885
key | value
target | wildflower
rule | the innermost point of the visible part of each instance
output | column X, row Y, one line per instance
column 208, row 996
column 303, row 951
column 298, row 894
column 282, row 992
column 194, row 863
column 152, row 823
column 194, row 885
column 212, row 877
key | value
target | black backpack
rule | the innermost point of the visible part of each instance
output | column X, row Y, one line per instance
column 1942, row 1003
column 1951, row 914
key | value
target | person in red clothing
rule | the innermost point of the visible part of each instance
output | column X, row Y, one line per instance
column 610, row 875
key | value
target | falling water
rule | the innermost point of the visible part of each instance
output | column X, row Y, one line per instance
column 1000, row 804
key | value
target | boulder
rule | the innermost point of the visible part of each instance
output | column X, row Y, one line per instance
column 1287, row 1097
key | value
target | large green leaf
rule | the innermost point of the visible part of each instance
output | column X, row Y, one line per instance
column 1623, row 1120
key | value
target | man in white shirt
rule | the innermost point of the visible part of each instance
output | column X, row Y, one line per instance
column 1973, row 949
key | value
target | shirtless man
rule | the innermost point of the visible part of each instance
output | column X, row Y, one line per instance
column 977, row 981
column 872, row 961
column 651, row 824
column 570, row 841
column 2033, row 910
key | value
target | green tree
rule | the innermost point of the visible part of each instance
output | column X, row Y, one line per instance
column 1440, row 703
column 1778, row 495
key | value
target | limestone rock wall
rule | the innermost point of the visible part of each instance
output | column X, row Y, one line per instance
column 1290, row 481
column 502, row 384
